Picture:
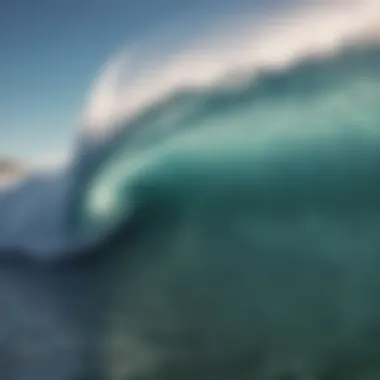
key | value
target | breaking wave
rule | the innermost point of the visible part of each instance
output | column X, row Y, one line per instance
column 306, row 70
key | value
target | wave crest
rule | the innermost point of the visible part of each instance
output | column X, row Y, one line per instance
column 151, row 70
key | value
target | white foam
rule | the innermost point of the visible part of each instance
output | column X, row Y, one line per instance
column 135, row 77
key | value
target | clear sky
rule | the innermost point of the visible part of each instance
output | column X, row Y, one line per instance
column 50, row 52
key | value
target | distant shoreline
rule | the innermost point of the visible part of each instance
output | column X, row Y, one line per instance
column 11, row 171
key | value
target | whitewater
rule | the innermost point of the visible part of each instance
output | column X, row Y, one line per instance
column 297, row 73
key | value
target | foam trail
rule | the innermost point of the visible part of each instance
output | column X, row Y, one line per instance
column 136, row 77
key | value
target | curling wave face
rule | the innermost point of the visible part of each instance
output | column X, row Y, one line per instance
column 324, row 105
column 291, row 70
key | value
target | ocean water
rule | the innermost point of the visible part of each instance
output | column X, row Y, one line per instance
column 252, row 208
column 321, row 113
column 226, row 198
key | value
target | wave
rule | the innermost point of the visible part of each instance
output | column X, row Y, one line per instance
column 286, row 84
column 331, row 101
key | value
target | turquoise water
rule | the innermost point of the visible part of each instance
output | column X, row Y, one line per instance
column 318, row 120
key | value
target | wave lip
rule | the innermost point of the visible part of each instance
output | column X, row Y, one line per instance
column 136, row 78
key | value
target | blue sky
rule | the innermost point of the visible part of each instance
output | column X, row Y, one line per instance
column 51, row 51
